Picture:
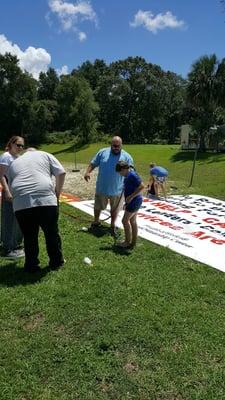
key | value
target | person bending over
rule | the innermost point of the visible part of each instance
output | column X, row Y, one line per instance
column 157, row 179
column 35, row 202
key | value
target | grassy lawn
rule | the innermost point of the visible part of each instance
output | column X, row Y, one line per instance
column 209, row 177
column 141, row 325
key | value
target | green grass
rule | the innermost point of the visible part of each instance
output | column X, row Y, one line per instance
column 209, row 177
column 141, row 325
column 148, row 324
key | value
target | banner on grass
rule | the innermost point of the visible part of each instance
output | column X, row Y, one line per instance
column 191, row 225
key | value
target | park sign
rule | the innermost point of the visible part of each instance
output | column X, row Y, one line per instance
column 191, row 225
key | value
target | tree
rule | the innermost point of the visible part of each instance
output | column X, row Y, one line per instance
column 174, row 101
column 47, row 85
column 18, row 90
column 91, row 72
column 77, row 107
column 205, row 91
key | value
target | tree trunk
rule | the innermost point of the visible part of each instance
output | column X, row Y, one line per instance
column 202, row 146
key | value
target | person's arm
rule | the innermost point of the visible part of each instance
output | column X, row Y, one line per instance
column 135, row 193
column 3, row 181
column 59, row 182
column 90, row 168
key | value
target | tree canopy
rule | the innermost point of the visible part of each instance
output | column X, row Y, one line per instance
column 138, row 99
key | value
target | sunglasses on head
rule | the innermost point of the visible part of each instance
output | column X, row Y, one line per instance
column 19, row 145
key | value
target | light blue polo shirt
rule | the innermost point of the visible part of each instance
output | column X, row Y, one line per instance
column 109, row 182
column 159, row 171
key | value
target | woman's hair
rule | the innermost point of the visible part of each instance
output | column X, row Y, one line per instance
column 152, row 165
column 11, row 141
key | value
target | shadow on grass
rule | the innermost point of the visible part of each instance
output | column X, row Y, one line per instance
column 116, row 249
column 209, row 157
column 12, row 275
column 103, row 230
column 70, row 149
column 98, row 232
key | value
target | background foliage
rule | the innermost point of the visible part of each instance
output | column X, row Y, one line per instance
column 138, row 99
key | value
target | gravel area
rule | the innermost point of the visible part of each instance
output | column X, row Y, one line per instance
column 75, row 183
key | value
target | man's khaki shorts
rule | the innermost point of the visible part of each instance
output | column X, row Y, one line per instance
column 101, row 202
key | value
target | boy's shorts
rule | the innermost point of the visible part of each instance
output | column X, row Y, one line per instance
column 160, row 179
column 101, row 202
column 134, row 205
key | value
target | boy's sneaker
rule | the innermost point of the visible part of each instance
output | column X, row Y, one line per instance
column 14, row 254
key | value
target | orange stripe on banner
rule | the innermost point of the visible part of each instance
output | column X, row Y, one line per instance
column 64, row 197
column 68, row 198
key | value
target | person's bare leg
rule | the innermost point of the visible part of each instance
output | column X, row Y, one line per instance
column 163, row 186
column 127, row 228
column 96, row 216
column 114, row 211
column 134, row 228
column 114, row 214
column 156, row 187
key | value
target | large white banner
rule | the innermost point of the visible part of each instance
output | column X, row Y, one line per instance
column 191, row 225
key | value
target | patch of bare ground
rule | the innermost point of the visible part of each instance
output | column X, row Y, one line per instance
column 77, row 186
column 75, row 183
column 32, row 322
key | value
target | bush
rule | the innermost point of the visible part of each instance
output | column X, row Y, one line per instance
column 59, row 137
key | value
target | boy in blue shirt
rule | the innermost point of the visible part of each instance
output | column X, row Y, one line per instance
column 133, row 187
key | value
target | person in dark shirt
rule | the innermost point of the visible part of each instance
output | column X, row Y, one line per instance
column 133, row 187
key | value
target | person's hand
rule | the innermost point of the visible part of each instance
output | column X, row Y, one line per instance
column 8, row 196
column 87, row 176
column 128, row 199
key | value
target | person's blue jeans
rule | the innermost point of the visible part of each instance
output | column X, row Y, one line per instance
column 11, row 235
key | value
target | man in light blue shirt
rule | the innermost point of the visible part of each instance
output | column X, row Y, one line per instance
column 109, row 185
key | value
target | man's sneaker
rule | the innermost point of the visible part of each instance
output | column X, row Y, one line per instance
column 32, row 270
column 115, row 232
column 14, row 254
column 57, row 266
column 95, row 225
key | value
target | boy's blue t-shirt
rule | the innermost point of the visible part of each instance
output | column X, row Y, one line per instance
column 109, row 182
column 131, row 183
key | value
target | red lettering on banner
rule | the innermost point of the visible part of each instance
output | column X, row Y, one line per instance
column 167, row 207
column 164, row 206
column 196, row 234
column 202, row 236
column 218, row 241
column 160, row 221
column 210, row 220
column 214, row 221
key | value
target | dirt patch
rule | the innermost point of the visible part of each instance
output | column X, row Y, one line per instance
column 32, row 322
column 75, row 183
